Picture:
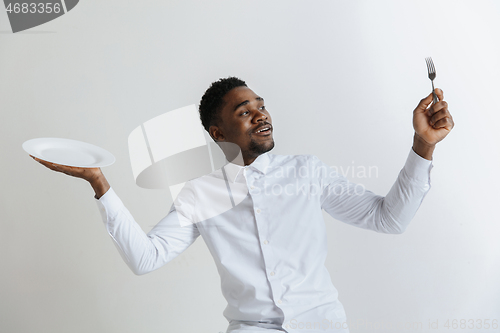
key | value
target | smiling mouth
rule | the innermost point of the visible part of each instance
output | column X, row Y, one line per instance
column 263, row 131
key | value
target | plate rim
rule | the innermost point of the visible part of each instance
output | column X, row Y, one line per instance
column 112, row 159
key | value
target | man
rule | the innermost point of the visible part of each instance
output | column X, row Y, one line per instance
column 270, row 244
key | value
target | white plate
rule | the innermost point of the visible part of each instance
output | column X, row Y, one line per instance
column 69, row 152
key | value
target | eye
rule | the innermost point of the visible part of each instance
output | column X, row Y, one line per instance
column 243, row 113
column 262, row 107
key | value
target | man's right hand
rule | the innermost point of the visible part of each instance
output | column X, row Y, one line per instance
column 93, row 175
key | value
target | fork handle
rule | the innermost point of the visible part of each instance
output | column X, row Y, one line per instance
column 435, row 98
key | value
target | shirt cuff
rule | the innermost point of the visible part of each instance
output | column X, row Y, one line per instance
column 417, row 167
column 109, row 205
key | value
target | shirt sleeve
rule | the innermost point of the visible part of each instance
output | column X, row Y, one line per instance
column 143, row 252
column 353, row 204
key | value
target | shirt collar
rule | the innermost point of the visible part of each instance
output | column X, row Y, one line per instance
column 260, row 164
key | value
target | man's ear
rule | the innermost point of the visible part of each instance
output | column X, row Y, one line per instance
column 216, row 133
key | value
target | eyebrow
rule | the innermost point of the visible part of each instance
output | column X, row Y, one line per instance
column 246, row 102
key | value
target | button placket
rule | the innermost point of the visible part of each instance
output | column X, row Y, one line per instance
column 261, row 207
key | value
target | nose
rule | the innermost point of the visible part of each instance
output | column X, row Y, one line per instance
column 259, row 116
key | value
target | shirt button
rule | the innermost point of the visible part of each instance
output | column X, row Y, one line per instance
column 272, row 273
column 266, row 242
column 258, row 210
column 280, row 301
column 252, row 187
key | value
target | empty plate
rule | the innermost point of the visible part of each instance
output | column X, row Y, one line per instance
column 69, row 152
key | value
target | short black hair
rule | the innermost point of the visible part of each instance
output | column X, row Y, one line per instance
column 211, row 102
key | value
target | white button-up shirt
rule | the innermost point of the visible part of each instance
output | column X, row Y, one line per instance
column 265, row 230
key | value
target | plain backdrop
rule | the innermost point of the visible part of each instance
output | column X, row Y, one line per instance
column 340, row 78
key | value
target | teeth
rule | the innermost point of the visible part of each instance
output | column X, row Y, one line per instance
column 264, row 129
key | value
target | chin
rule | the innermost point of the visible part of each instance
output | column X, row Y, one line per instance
column 271, row 146
column 262, row 148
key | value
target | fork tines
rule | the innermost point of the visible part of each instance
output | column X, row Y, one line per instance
column 432, row 75
column 430, row 68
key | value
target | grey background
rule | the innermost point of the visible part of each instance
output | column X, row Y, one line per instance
column 340, row 78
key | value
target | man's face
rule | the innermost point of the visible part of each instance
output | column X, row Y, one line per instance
column 245, row 122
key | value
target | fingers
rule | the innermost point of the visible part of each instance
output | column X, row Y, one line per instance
column 49, row 165
column 56, row 167
column 443, row 123
column 439, row 106
column 84, row 173
column 442, row 119
column 424, row 103
column 423, row 106
column 439, row 93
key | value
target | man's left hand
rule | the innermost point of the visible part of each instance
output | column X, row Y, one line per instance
column 432, row 124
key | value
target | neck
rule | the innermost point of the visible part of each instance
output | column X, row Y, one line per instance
column 249, row 160
column 234, row 154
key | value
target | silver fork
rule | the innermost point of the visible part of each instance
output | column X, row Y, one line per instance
column 432, row 75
